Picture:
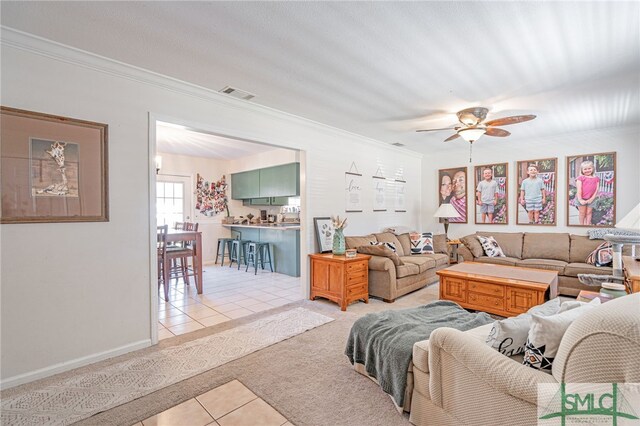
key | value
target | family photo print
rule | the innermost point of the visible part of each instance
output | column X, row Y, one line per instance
column 537, row 183
column 591, row 190
column 491, row 198
column 452, row 189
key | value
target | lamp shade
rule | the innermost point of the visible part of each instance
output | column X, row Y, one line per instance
column 446, row 210
column 631, row 222
column 472, row 134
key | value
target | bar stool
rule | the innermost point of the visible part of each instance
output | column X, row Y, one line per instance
column 223, row 243
column 238, row 252
column 255, row 255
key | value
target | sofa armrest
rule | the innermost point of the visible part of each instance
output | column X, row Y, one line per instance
column 499, row 372
column 465, row 253
column 381, row 263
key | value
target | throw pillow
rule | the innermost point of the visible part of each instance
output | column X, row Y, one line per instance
column 422, row 243
column 490, row 246
column 602, row 255
column 474, row 246
column 390, row 246
column 440, row 244
column 383, row 251
column 546, row 334
column 509, row 336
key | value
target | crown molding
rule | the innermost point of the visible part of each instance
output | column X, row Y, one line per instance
column 33, row 44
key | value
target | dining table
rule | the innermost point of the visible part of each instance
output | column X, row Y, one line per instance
column 180, row 235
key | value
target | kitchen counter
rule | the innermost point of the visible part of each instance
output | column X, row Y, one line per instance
column 274, row 226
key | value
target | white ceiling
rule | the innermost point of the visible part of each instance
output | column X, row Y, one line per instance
column 379, row 69
column 177, row 139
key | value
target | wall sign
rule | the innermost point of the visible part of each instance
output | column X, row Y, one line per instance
column 353, row 190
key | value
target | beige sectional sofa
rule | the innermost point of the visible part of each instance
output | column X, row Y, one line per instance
column 458, row 379
column 561, row 252
column 388, row 280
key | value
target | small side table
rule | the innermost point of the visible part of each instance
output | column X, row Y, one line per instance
column 453, row 256
column 340, row 279
column 588, row 296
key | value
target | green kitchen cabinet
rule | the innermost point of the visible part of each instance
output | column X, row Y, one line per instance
column 280, row 181
column 245, row 185
column 284, row 244
column 267, row 201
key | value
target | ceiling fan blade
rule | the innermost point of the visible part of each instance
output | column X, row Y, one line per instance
column 452, row 137
column 494, row 131
column 515, row 119
column 434, row 130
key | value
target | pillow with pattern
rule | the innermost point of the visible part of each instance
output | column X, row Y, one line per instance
column 391, row 246
column 602, row 255
column 490, row 246
column 421, row 243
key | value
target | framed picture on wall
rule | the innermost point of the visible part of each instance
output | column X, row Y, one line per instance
column 591, row 190
column 452, row 189
column 490, row 194
column 324, row 233
column 54, row 169
column 537, row 189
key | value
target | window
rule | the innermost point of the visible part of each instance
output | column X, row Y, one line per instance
column 170, row 203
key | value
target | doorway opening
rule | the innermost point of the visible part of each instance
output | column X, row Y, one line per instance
column 193, row 181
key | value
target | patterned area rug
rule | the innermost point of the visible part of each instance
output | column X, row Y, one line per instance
column 84, row 395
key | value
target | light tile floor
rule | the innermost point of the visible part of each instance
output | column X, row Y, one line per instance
column 231, row 404
column 227, row 293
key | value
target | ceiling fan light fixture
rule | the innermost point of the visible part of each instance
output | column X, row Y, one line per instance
column 472, row 134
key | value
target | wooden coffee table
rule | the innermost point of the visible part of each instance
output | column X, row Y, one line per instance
column 497, row 289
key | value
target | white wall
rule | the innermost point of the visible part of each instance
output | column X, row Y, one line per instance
column 74, row 292
column 488, row 150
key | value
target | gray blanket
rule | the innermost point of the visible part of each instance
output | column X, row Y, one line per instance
column 383, row 341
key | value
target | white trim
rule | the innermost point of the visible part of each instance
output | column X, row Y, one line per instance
column 70, row 365
column 10, row 37
column 153, row 239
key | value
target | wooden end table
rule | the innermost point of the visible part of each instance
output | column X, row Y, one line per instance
column 339, row 278
column 632, row 272
column 453, row 256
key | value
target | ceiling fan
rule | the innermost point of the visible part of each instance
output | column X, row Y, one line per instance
column 473, row 125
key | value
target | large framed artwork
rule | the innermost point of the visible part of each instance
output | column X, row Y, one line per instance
column 452, row 189
column 324, row 233
column 591, row 190
column 537, row 192
column 53, row 169
column 490, row 194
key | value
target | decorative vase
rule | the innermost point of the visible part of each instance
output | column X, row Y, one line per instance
column 339, row 246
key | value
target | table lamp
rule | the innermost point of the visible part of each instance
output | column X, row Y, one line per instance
column 631, row 222
column 446, row 211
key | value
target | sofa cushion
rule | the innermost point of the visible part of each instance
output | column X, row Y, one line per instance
column 471, row 242
column 405, row 242
column 573, row 269
column 388, row 237
column 602, row 255
column 423, row 262
column 380, row 250
column 421, row 243
column 382, row 264
column 548, row 264
column 490, row 246
column 546, row 245
column 581, row 247
column 406, row 270
column 439, row 258
column 546, row 333
column 390, row 246
column 440, row 244
column 510, row 242
column 508, row 261
column 357, row 241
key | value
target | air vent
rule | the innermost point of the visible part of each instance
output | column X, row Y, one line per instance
column 397, row 144
column 237, row 93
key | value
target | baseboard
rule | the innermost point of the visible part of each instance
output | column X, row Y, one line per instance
column 70, row 365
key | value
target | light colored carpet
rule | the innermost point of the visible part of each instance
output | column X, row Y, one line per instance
column 84, row 395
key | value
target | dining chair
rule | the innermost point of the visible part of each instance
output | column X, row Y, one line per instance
column 161, row 249
column 179, row 256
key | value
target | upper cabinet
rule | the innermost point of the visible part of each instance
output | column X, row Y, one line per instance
column 277, row 181
column 245, row 185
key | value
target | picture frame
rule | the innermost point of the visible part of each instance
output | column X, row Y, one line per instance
column 53, row 168
column 452, row 188
column 547, row 171
column 497, row 212
column 324, row 233
column 592, row 176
